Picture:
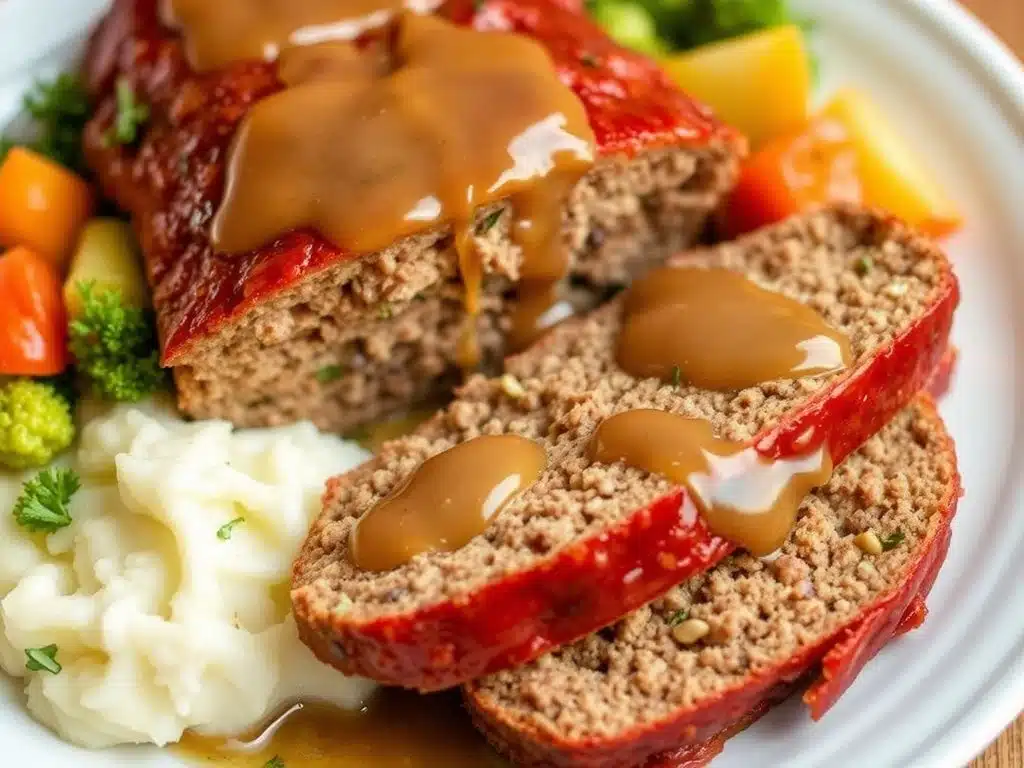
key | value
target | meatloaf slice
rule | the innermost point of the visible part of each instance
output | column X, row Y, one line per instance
column 300, row 329
column 588, row 543
column 647, row 683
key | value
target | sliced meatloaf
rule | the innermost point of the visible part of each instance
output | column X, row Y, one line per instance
column 678, row 670
column 588, row 543
column 300, row 329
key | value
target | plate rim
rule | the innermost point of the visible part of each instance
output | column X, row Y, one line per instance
column 971, row 730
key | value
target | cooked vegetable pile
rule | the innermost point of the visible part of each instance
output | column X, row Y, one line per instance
column 73, row 298
column 748, row 60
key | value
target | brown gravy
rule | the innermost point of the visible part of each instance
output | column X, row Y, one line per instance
column 219, row 32
column 718, row 330
column 397, row 729
column 447, row 500
column 447, row 121
column 743, row 497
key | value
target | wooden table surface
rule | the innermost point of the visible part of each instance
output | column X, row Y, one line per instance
column 1006, row 19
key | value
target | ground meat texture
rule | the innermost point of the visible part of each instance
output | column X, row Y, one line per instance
column 303, row 329
column 387, row 326
column 634, row 689
column 568, row 383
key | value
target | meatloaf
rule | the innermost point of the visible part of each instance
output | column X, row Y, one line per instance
column 678, row 669
column 588, row 543
column 302, row 330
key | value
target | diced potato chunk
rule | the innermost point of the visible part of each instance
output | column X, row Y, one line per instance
column 759, row 83
column 107, row 256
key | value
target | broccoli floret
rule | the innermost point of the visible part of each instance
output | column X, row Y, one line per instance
column 35, row 424
column 115, row 346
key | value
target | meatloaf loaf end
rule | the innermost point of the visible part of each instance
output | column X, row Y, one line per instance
column 677, row 670
column 588, row 543
column 300, row 329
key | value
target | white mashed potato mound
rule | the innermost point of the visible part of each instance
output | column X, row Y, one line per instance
column 161, row 624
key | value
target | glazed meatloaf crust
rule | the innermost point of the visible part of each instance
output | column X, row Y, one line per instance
column 648, row 683
column 587, row 544
column 300, row 329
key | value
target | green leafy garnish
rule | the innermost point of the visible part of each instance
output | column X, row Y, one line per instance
column 225, row 531
column 677, row 376
column 131, row 116
column 892, row 541
column 329, row 373
column 43, row 503
column 488, row 222
column 274, row 762
column 59, row 109
column 115, row 346
column 697, row 22
column 863, row 265
column 679, row 617
column 659, row 26
column 385, row 311
column 43, row 659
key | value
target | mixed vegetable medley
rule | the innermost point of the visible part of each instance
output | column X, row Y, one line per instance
column 74, row 315
column 74, row 312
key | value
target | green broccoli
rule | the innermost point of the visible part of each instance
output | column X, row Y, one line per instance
column 706, row 21
column 35, row 423
column 680, row 25
column 115, row 346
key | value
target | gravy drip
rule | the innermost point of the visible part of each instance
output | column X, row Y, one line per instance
column 718, row 330
column 451, row 120
column 743, row 497
column 446, row 501
column 396, row 729
column 220, row 32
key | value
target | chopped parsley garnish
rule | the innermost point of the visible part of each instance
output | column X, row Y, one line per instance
column 488, row 222
column 43, row 503
column 115, row 346
column 329, row 373
column 43, row 659
column 59, row 109
column 863, row 265
column 892, row 541
column 131, row 116
column 679, row 617
column 677, row 376
column 225, row 531
column 385, row 311
column 274, row 762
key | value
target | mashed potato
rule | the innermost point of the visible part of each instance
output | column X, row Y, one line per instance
column 161, row 624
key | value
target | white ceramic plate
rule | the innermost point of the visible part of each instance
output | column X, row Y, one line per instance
column 939, row 696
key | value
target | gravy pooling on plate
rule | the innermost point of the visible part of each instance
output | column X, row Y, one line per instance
column 396, row 729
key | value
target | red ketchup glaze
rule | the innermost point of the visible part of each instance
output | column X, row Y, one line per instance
column 173, row 182
column 599, row 580
column 689, row 738
column 842, row 663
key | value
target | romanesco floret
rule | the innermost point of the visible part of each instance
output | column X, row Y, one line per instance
column 35, row 424
column 115, row 346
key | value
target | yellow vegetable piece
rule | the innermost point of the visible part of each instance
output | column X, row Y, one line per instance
column 891, row 175
column 107, row 256
column 43, row 205
column 759, row 83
